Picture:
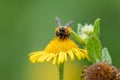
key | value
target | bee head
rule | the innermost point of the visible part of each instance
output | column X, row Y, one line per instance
column 63, row 31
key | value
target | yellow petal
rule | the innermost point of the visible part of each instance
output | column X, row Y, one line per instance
column 42, row 58
column 77, row 54
column 50, row 57
column 71, row 54
column 86, row 55
column 65, row 56
column 81, row 54
column 32, row 53
column 35, row 55
column 60, row 57
column 54, row 59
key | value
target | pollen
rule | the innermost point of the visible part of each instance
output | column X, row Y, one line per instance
column 60, row 48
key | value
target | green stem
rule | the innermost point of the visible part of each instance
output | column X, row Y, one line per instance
column 61, row 71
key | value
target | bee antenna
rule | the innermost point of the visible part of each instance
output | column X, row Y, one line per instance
column 68, row 24
column 58, row 21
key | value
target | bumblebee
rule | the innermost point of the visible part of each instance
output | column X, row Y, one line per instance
column 63, row 32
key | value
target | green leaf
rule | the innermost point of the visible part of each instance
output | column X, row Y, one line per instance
column 94, row 49
column 97, row 27
column 106, row 56
column 77, row 38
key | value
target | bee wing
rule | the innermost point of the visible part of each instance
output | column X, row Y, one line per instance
column 68, row 24
column 58, row 21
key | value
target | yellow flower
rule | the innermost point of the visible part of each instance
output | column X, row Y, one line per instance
column 59, row 48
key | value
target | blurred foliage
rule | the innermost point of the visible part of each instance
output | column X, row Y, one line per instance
column 28, row 25
column 88, row 36
column 94, row 49
column 106, row 56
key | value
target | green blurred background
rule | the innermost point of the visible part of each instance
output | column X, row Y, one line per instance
column 28, row 25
